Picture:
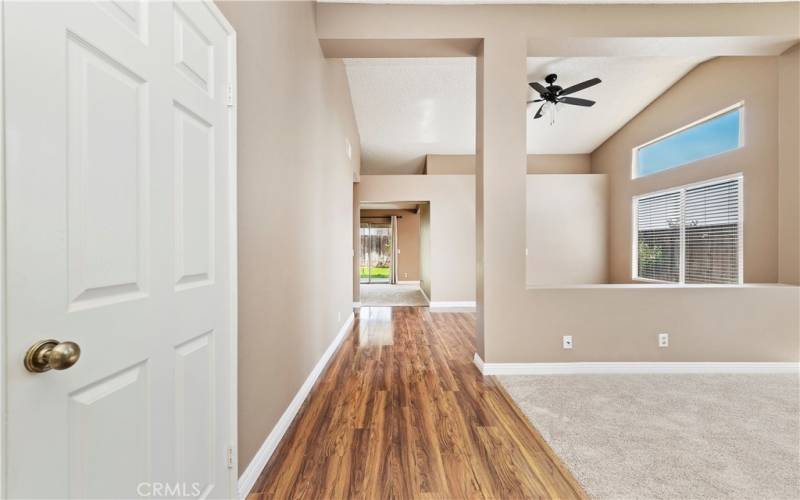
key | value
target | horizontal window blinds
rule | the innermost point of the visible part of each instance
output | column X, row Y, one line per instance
column 712, row 233
column 659, row 237
column 690, row 235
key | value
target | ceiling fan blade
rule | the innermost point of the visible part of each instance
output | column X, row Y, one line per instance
column 536, row 100
column 576, row 101
column 538, row 113
column 538, row 87
column 580, row 86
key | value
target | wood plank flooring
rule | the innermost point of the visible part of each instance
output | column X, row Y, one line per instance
column 402, row 412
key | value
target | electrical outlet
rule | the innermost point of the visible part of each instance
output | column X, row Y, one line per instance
column 567, row 342
column 663, row 340
column 405, row 275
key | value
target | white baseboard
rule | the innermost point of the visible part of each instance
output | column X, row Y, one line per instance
column 478, row 362
column 408, row 282
column 248, row 478
column 632, row 368
column 425, row 294
column 439, row 304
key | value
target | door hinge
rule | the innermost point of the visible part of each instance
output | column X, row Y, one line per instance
column 229, row 97
column 229, row 459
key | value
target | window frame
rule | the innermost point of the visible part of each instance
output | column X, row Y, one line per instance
column 635, row 151
column 682, row 258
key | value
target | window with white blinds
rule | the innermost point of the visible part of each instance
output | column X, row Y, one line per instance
column 690, row 235
column 658, row 231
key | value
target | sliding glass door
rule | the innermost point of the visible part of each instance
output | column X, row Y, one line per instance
column 376, row 252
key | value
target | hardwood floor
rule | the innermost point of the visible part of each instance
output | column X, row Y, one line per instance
column 402, row 412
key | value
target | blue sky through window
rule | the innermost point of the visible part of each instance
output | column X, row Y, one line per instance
column 705, row 139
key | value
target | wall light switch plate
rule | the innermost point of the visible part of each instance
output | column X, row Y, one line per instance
column 567, row 342
column 663, row 340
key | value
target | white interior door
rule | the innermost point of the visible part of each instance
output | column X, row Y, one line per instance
column 119, row 217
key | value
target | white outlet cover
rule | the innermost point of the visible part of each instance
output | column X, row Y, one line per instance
column 566, row 342
column 663, row 340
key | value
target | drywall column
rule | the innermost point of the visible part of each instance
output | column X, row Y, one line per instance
column 789, row 166
column 500, row 186
column 425, row 249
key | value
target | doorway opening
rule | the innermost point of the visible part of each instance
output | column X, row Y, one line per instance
column 377, row 249
column 389, row 263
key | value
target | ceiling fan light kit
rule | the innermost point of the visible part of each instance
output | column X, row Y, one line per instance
column 553, row 94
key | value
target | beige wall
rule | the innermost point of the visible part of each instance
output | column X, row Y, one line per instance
column 294, row 113
column 559, row 164
column 425, row 248
column 407, row 241
column 789, row 166
column 622, row 322
column 450, row 164
column 408, row 246
column 566, row 229
column 537, row 164
column 578, row 213
column 710, row 87
column 452, row 227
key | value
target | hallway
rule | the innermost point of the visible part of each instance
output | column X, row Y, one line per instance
column 402, row 412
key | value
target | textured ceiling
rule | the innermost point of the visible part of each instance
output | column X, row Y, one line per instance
column 407, row 108
column 628, row 85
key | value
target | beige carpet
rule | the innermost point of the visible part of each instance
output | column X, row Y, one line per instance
column 392, row 295
column 670, row 436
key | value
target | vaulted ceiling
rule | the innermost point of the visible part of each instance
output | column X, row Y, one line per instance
column 408, row 108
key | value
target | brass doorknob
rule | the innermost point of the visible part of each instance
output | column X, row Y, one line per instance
column 50, row 353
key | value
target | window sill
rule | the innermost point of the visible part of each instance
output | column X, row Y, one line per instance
column 654, row 282
column 655, row 285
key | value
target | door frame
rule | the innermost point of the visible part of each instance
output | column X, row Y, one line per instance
column 232, row 242
column 233, row 252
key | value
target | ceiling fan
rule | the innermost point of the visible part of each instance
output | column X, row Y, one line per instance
column 553, row 94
